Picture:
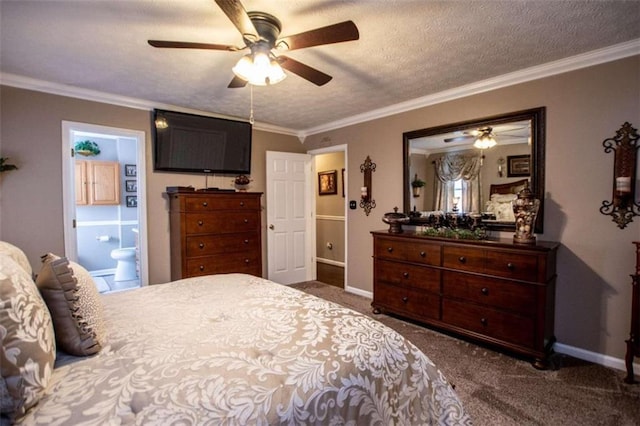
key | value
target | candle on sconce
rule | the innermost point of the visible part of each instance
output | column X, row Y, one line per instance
column 623, row 184
column 363, row 192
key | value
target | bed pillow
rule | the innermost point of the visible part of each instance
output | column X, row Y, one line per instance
column 28, row 350
column 16, row 254
column 75, row 305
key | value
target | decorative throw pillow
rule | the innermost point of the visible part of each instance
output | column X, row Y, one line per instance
column 17, row 255
column 28, row 350
column 75, row 305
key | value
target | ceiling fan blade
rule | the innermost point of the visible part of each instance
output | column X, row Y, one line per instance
column 305, row 71
column 190, row 45
column 459, row 138
column 239, row 17
column 336, row 33
column 237, row 82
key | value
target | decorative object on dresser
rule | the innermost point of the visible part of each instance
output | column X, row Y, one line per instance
column 633, row 344
column 242, row 182
column 214, row 232
column 395, row 221
column 525, row 209
column 366, row 194
column 491, row 291
column 623, row 206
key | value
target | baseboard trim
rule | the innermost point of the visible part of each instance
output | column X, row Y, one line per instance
column 359, row 292
column 596, row 358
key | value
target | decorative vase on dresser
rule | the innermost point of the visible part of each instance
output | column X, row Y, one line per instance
column 491, row 291
column 215, row 233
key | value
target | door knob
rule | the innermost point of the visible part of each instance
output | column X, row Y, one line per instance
column 272, row 227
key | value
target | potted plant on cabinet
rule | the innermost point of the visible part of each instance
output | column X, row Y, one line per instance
column 87, row 148
column 416, row 184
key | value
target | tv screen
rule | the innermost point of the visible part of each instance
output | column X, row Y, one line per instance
column 198, row 144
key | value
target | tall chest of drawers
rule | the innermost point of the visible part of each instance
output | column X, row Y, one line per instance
column 215, row 233
column 491, row 291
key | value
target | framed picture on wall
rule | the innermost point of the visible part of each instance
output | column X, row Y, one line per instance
column 343, row 194
column 518, row 165
column 131, row 185
column 132, row 201
column 130, row 170
column 327, row 182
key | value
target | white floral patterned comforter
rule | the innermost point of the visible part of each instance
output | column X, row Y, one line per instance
column 239, row 350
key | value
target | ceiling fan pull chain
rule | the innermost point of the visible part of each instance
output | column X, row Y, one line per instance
column 251, row 120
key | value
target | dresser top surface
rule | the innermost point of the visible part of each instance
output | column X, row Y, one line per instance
column 489, row 242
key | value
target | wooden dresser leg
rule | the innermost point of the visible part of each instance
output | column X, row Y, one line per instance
column 628, row 361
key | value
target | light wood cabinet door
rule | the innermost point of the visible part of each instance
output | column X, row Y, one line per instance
column 97, row 183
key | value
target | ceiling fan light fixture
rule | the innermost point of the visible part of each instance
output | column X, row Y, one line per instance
column 259, row 69
column 485, row 141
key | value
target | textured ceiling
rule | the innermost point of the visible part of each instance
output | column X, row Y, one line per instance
column 407, row 49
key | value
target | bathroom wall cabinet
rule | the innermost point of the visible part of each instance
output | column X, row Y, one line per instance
column 215, row 233
column 492, row 291
column 97, row 183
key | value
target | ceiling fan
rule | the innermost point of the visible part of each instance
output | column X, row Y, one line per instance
column 261, row 34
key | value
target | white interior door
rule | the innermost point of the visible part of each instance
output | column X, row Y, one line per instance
column 290, row 218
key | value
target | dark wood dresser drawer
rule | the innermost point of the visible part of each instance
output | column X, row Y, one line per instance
column 221, row 222
column 229, row 262
column 411, row 302
column 424, row 253
column 463, row 258
column 502, row 294
column 493, row 323
column 204, row 203
column 388, row 248
column 516, row 266
column 203, row 245
column 426, row 279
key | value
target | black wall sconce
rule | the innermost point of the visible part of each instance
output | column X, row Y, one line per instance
column 366, row 199
column 623, row 206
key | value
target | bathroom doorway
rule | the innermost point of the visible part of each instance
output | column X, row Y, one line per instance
column 104, row 209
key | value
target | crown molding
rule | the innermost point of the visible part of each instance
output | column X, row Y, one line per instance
column 595, row 57
column 28, row 83
column 600, row 56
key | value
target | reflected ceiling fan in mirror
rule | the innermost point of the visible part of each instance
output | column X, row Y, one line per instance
column 261, row 35
column 485, row 137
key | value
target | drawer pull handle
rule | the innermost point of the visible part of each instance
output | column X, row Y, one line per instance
column 405, row 274
column 202, row 267
column 241, row 203
column 483, row 321
column 423, row 254
column 390, row 249
column 246, row 221
column 484, row 291
column 200, row 223
column 201, row 245
column 462, row 259
column 246, row 261
column 205, row 204
column 405, row 299
column 511, row 266
column 246, row 241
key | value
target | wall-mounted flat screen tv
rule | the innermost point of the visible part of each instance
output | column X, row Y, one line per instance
column 191, row 143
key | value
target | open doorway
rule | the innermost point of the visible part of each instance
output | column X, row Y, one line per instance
column 104, row 209
column 330, row 213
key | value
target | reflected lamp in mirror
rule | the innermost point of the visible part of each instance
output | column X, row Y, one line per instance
column 625, row 204
column 486, row 139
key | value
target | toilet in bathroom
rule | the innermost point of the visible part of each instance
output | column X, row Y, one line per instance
column 126, row 267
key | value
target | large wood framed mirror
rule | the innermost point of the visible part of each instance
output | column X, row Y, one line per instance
column 501, row 170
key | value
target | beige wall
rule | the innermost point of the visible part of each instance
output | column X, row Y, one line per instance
column 31, row 198
column 584, row 107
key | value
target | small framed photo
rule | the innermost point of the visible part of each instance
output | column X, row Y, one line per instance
column 131, row 185
column 518, row 165
column 130, row 170
column 327, row 182
column 343, row 193
column 132, row 201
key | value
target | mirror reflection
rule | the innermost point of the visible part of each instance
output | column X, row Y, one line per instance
column 475, row 169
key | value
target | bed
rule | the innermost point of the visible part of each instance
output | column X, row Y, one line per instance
column 229, row 349
column 499, row 208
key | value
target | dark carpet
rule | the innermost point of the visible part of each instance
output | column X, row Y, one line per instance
column 500, row 389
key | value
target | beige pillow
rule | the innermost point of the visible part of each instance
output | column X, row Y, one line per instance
column 17, row 255
column 28, row 350
column 75, row 305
